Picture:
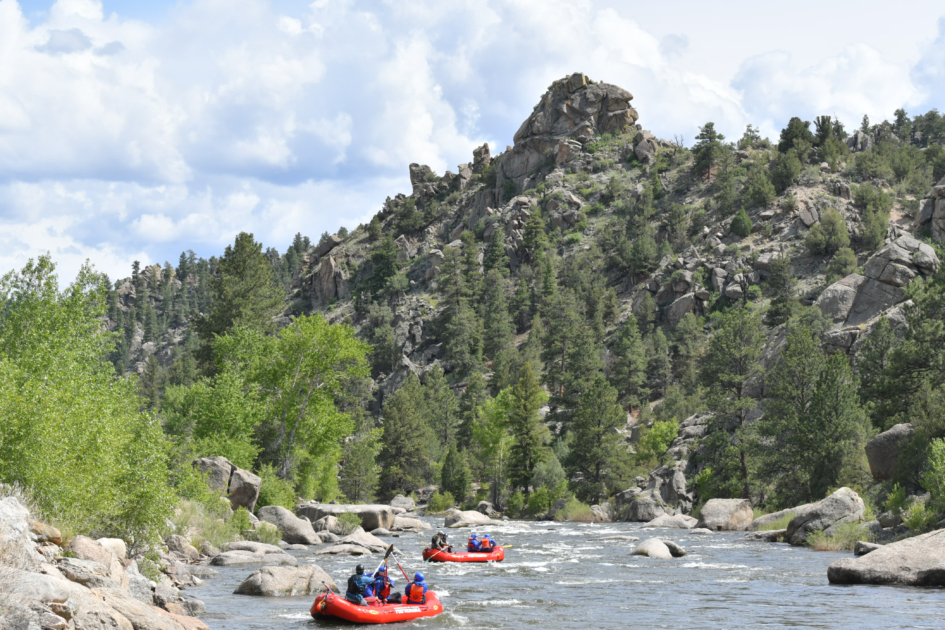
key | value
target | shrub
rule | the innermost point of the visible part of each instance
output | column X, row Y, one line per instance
column 741, row 224
column 759, row 191
column 876, row 225
column 575, row 511
column 829, row 234
column 654, row 442
column 934, row 479
column 198, row 523
column 265, row 533
column 786, row 171
column 274, row 489
column 919, row 517
column 515, row 503
column 539, row 501
column 440, row 502
column 844, row 538
column 841, row 265
column 348, row 522
column 789, row 203
column 754, row 292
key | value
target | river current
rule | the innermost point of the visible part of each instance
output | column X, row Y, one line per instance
column 582, row 576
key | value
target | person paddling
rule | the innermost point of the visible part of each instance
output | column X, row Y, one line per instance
column 357, row 585
column 382, row 586
column 473, row 545
column 416, row 591
column 439, row 542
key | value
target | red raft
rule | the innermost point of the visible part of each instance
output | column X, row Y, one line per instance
column 333, row 605
column 496, row 555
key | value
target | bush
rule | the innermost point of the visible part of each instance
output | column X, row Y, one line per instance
column 829, row 234
column 265, row 533
column 515, row 503
column 198, row 523
column 759, row 191
column 348, row 522
column 654, row 442
column 575, row 511
column 274, row 489
column 919, row 518
column 539, row 501
column 440, row 502
column 876, row 225
column 841, row 265
column 741, row 224
column 754, row 292
column 786, row 171
column 789, row 204
column 845, row 538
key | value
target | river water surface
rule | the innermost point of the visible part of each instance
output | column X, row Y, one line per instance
column 568, row 575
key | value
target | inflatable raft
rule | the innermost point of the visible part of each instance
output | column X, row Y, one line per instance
column 334, row 605
column 432, row 555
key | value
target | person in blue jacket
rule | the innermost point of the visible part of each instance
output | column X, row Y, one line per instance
column 473, row 544
column 382, row 585
column 486, row 545
column 416, row 591
column 358, row 585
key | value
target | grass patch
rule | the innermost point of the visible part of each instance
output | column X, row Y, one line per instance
column 845, row 538
column 781, row 523
column 265, row 533
column 198, row 523
column 575, row 511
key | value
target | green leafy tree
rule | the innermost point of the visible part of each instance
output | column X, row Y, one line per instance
column 655, row 441
column 528, row 433
column 72, row 433
column 493, row 441
column 595, row 445
column 741, row 224
column 408, row 440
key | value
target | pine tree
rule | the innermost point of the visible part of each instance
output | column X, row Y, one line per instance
column 707, row 150
column 595, row 442
column 463, row 338
column 442, row 407
column 495, row 257
column 628, row 375
column 659, row 364
column 688, row 341
column 455, row 477
column 783, row 300
column 408, row 440
column 741, row 224
column 528, row 432
column 498, row 331
column 474, row 395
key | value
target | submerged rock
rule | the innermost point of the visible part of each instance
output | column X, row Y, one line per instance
column 653, row 548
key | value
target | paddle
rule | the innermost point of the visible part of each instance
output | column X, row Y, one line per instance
column 390, row 550
column 401, row 568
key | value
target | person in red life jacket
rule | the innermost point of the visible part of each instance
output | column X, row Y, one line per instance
column 382, row 585
column 416, row 591
column 473, row 544
column 486, row 545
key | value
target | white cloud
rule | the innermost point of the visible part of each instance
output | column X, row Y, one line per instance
column 124, row 140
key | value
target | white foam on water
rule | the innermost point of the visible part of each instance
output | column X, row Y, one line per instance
column 713, row 565
column 443, row 593
column 296, row 616
column 462, row 621
column 493, row 602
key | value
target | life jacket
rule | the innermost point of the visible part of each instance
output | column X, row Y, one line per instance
column 486, row 545
column 381, row 587
column 415, row 592
column 356, row 586
column 473, row 545
column 439, row 541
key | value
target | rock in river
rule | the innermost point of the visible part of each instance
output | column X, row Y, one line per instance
column 843, row 506
column 286, row 582
column 653, row 548
column 918, row 561
column 294, row 530
column 726, row 514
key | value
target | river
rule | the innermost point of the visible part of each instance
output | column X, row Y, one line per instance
column 562, row 576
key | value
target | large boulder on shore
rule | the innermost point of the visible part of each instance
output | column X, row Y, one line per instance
column 372, row 516
column 406, row 524
column 286, row 582
column 774, row 517
column 240, row 486
column 294, row 530
column 843, row 506
column 644, row 508
column 726, row 515
column 466, row 518
column 237, row 556
column 918, row 561
column 405, row 503
column 884, row 449
column 328, row 525
column 677, row 521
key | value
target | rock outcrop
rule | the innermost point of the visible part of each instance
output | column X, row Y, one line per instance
column 460, row 518
column 726, row 515
column 240, row 486
column 843, row 506
column 883, row 450
column 918, row 561
column 931, row 213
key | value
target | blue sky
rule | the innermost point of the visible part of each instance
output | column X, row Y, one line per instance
column 135, row 130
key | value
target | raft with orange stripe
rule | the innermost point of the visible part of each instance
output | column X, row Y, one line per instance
column 334, row 605
column 433, row 555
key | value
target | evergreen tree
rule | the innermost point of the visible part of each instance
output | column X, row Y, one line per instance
column 812, row 425
column 495, row 257
column 759, row 191
column 628, row 374
column 784, row 302
column 442, row 407
column 688, row 341
column 659, row 364
column 528, row 432
column 646, row 313
column 474, row 395
column 455, row 477
column 408, row 440
column 595, row 448
column 707, row 149
column 463, row 338
column 386, row 264
column 498, row 331
column 796, row 135
column 741, row 224
column 535, row 239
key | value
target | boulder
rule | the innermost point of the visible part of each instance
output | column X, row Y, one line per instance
column 883, row 450
column 372, row 516
column 48, row 534
column 674, row 549
column 405, row 524
column 918, row 561
column 602, row 513
column 400, row 501
column 294, row 530
column 182, row 547
column 240, row 486
column 856, row 299
column 366, row 540
column 677, row 521
column 286, row 582
column 645, row 508
column 653, row 548
column 345, row 549
column 229, row 558
column 253, row 547
column 469, row 517
column 380, row 531
column 862, row 548
column 141, row 616
column 327, row 245
column 843, row 506
column 85, row 548
column 328, row 524
column 726, row 515
column 115, row 545
column 763, row 521
column 485, row 507
column 679, row 308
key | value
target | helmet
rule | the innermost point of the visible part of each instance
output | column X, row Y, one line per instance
column 473, row 536
column 441, row 534
column 417, row 577
column 382, row 570
column 359, row 569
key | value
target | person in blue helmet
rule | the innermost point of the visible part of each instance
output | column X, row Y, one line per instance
column 382, row 585
column 473, row 544
column 416, row 591
column 358, row 585
column 486, row 545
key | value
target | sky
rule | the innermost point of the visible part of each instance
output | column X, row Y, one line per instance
column 135, row 130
